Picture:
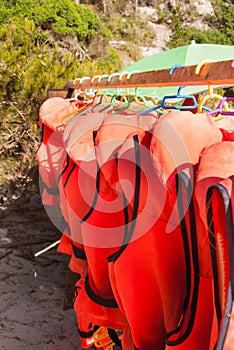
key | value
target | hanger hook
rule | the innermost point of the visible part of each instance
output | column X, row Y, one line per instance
column 174, row 67
column 179, row 90
column 133, row 72
column 84, row 78
column 122, row 75
column 102, row 76
column 199, row 66
column 76, row 81
column 112, row 75
column 94, row 78
column 211, row 90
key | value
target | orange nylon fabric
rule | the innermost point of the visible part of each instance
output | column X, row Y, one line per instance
column 165, row 248
column 176, row 146
column 205, row 330
column 108, row 212
column 52, row 161
column 208, row 175
column 79, row 191
column 108, row 166
column 142, row 274
column 179, row 140
column 50, row 155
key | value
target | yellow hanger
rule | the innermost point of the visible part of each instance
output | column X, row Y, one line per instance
column 202, row 63
column 210, row 96
column 102, row 339
column 78, row 110
column 138, row 99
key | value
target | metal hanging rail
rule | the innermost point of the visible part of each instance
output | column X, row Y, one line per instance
column 205, row 73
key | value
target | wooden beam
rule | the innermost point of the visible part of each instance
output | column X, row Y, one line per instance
column 57, row 93
column 214, row 73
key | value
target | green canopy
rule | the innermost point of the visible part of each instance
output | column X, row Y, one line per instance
column 184, row 55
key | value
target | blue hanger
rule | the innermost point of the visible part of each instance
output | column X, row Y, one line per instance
column 177, row 96
column 177, row 107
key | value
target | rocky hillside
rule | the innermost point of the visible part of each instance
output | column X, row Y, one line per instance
column 155, row 25
column 153, row 10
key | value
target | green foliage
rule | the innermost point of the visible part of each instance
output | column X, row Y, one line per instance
column 187, row 34
column 221, row 27
column 110, row 63
column 30, row 63
column 134, row 29
column 120, row 5
column 45, row 43
column 223, row 19
column 64, row 17
column 163, row 15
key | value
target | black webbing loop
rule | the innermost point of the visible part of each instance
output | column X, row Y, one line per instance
column 114, row 337
column 65, row 168
column 97, row 187
column 111, row 303
column 230, row 236
column 128, row 231
column 54, row 191
column 79, row 254
column 89, row 334
column 182, row 180
column 213, row 255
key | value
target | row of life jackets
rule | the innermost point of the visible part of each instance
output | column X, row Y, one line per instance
column 147, row 217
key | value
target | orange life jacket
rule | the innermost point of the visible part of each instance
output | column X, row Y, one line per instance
column 102, row 222
column 159, row 287
column 208, row 253
column 53, row 162
column 94, row 301
column 214, row 191
column 50, row 154
column 53, row 165
column 165, row 273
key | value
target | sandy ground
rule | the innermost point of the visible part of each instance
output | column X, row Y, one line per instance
column 32, row 290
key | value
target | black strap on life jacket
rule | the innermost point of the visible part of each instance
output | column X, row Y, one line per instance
column 113, row 334
column 79, row 254
column 69, row 174
column 95, row 198
column 42, row 132
column 69, row 92
column 88, row 334
column 129, row 229
column 54, row 191
column 110, row 303
column 64, row 168
column 42, row 137
column 94, row 202
column 213, row 255
column 230, row 238
column 184, row 186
